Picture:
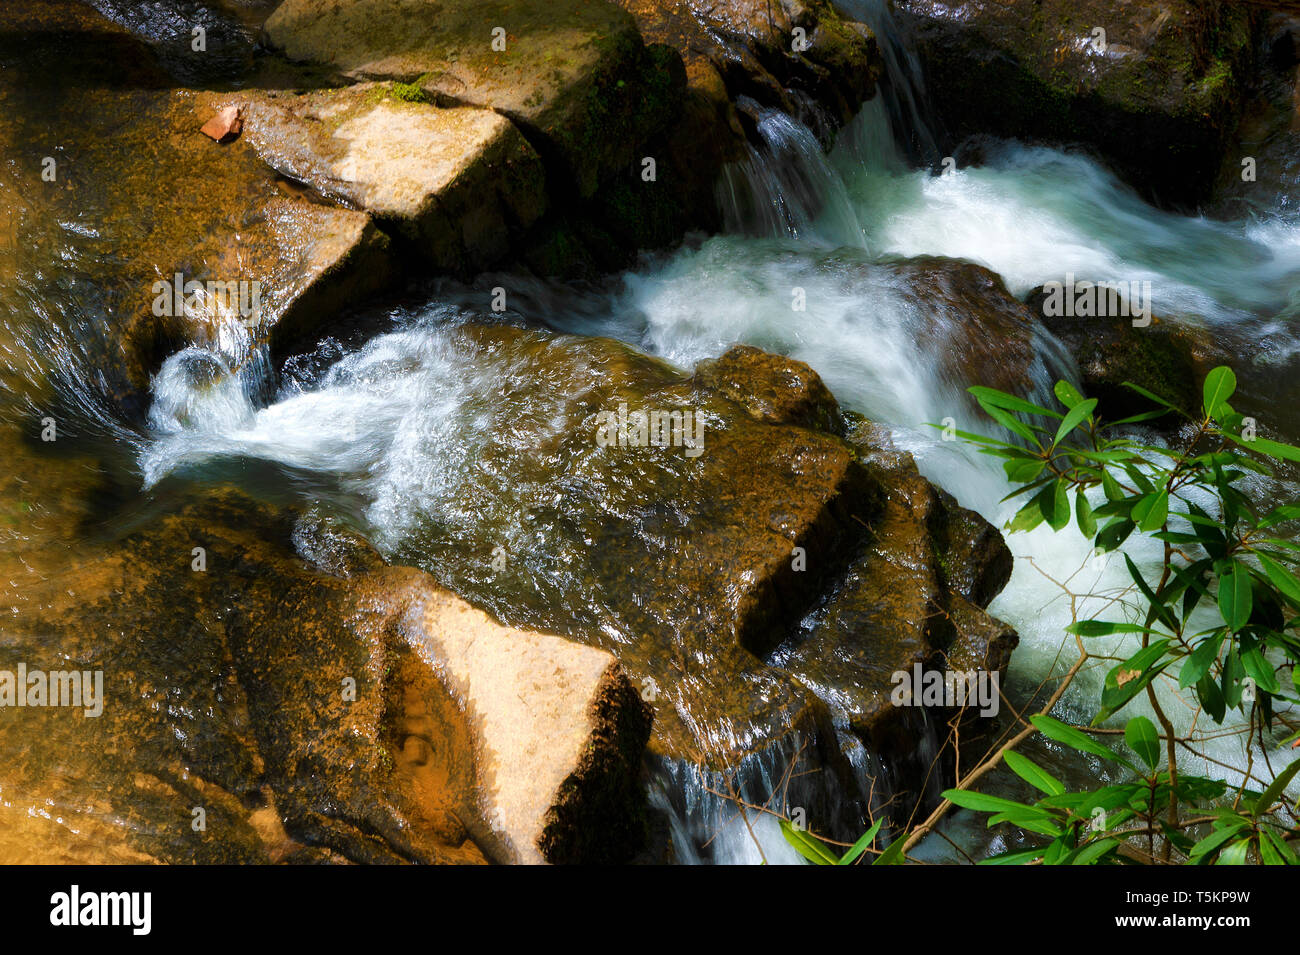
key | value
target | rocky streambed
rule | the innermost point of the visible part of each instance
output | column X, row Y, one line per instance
column 508, row 441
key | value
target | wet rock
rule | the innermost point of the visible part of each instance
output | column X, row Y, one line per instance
column 1161, row 357
column 1261, row 170
column 973, row 559
column 294, row 716
column 118, row 193
column 575, row 76
column 461, row 185
column 780, row 54
column 697, row 571
column 728, row 50
column 567, row 789
column 773, row 388
column 1160, row 99
column 960, row 313
column 912, row 597
column 199, row 42
column 225, row 123
column 90, row 49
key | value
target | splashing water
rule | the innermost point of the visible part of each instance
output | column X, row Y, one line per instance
column 397, row 422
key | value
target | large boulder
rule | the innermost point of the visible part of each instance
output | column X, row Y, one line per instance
column 698, row 562
column 1159, row 97
column 575, row 75
column 112, row 192
column 460, row 184
column 362, row 714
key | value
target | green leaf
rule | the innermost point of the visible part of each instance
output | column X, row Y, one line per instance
column 1092, row 851
column 1083, row 515
column 1281, row 578
column 1281, row 514
column 808, row 846
column 1060, row 513
column 1280, row 845
column 1028, row 819
column 1015, row 857
column 1076, row 739
column 982, row 802
column 1210, row 694
column 1027, row 518
column 1151, row 512
column 1259, row 670
column 1220, row 383
column 1276, row 788
column 1216, row 839
column 1273, row 449
column 1235, row 601
column 1151, row 396
column 1008, row 421
column 1033, row 774
column 1129, row 678
column 1235, row 854
column 1023, row 471
column 1267, row 854
column 864, row 842
column 1115, row 533
column 1067, row 394
column 1075, row 417
column 1142, row 738
column 1158, row 609
column 1108, row 484
column 893, row 855
column 1000, row 399
column 1198, row 664
column 1103, row 628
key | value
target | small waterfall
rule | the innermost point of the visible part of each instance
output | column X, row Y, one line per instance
column 786, row 188
column 732, row 817
column 396, row 421
column 902, row 88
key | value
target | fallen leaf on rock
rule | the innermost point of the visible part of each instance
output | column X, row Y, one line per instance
column 225, row 123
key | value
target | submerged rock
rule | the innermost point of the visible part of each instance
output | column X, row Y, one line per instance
column 1158, row 91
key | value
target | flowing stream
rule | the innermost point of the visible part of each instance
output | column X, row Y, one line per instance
column 387, row 428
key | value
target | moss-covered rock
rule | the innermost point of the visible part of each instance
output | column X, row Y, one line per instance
column 771, row 52
column 297, row 715
column 1161, row 357
column 1159, row 100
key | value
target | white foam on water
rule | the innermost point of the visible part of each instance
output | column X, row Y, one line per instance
column 401, row 420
